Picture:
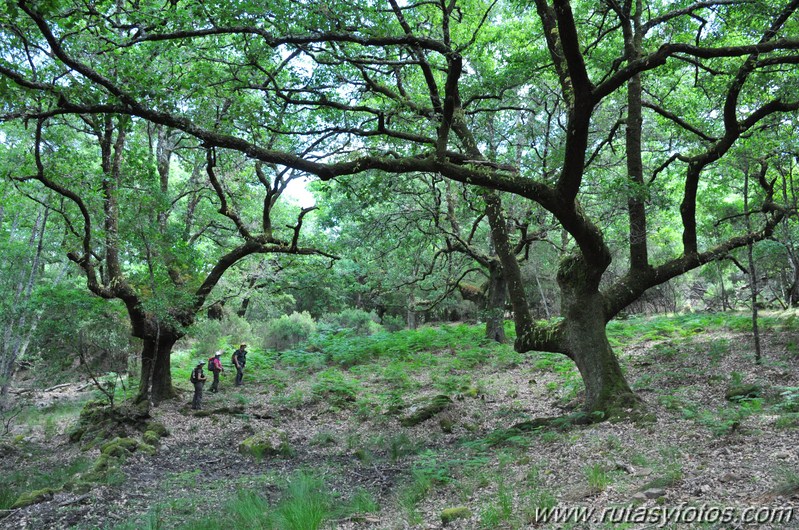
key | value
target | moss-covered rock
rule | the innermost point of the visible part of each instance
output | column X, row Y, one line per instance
column 447, row 424
column 737, row 392
column 99, row 422
column 119, row 447
column 104, row 462
column 78, row 484
column 458, row 512
column 424, row 410
column 151, row 437
column 269, row 442
column 33, row 497
column 204, row 413
column 158, row 428
column 471, row 392
column 146, row 449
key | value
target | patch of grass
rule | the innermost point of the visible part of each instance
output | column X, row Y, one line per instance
column 362, row 502
column 305, row 505
column 451, row 383
column 535, row 496
column 292, row 401
column 718, row 349
column 184, row 479
column 242, row 399
column 786, row 481
column 399, row 446
column 16, row 482
column 501, row 509
column 597, row 476
column 152, row 520
column 324, row 439
column 428, row 472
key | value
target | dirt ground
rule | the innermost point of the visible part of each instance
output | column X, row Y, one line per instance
column 693, row 454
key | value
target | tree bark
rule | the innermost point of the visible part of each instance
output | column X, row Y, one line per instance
column 752, row 271
column 495, row 304
column 156, row 379
column 586, row 342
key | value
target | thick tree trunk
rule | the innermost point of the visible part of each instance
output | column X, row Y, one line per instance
column 586, row 342
column 581, row 334
column 156, row 378
column 495, row 304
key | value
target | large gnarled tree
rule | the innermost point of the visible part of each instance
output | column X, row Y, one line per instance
column 402, row 88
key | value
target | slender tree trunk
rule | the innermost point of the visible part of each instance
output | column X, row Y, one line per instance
column 752, row 272
column 543, row 295
column 724, row 304
column 411, row 320
column 793, row 293
column 495, row 306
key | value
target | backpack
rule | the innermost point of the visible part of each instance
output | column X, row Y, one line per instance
column 211, row 364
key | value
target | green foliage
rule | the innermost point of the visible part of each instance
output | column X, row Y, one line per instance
column 393, row 323
column 324, row 439
column 786, row 481
column 357, row 321
column 406, row 345
column 335, row 388
column 789, row 400
column 14, row 483
column 305, row 502
column 597, row 476
column 210, row 335
column 288, row 331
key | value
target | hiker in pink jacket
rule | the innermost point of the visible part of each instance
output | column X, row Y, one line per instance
column 215, row 365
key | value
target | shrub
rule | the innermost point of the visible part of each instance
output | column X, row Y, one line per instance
column 357, row 320
column 393, row 323
column 288, row 331
column 236, row 329
column 208, row 337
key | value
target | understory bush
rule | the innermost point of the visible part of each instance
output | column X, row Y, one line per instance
column 357, row 321
column 288, row 331
column 208, row 337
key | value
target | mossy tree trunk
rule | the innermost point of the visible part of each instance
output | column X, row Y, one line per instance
column 155, row 383
column 495, row 303
column 584, row 339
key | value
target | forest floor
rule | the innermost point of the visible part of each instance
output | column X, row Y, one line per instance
column 349, row 462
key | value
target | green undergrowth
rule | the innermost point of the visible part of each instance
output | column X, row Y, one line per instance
column 624, row 332
column 14, row 483
column 304, row 501
column 346, row 349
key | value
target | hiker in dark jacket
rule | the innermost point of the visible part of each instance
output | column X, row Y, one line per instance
column 198, row 379
column 239, row 360
column 215, row 365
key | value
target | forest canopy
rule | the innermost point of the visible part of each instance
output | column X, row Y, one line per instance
column 550, row 161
